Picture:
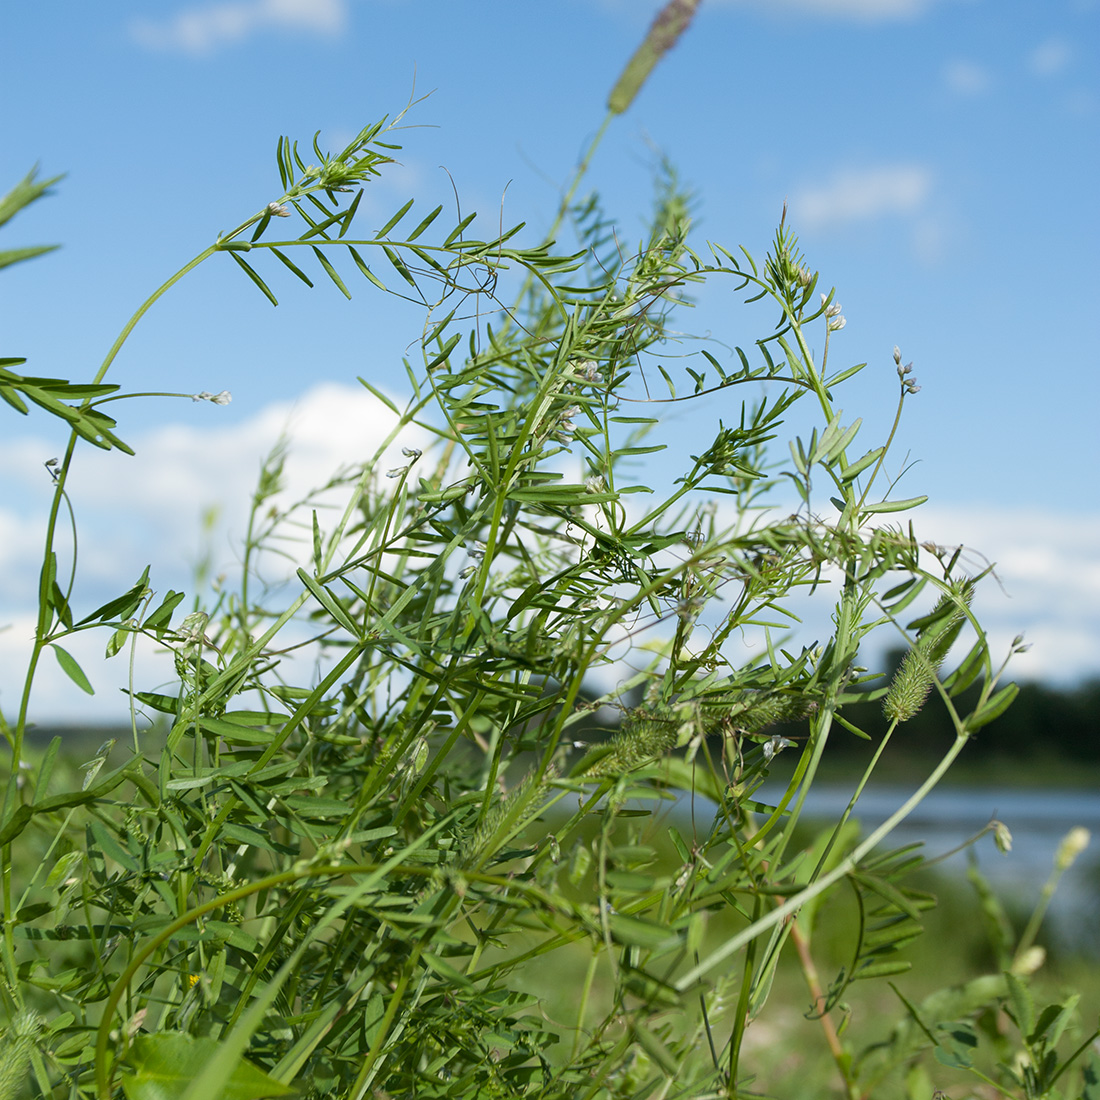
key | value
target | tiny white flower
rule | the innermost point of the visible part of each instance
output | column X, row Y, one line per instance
column 411, row 452
column 837, row 323
column 222, row 398
column 897, row 355
column 278, row 210
column 833, row 310
column 774, row 745
column 397, row 471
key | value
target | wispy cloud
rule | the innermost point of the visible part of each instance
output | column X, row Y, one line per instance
column 1048, row 565
column 863, row 11
column 967, row 77
column 863, row 194
column 201, row 30
column 149, row 509
column 1050, row 57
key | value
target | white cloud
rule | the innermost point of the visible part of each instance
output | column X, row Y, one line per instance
column 866, row 194
column 967, row 77
column 864, row 11
column 1049, row 568
column 133, row 511
column 203, row 29
column 1050, row 57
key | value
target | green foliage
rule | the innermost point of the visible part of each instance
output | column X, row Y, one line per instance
column 336, row 884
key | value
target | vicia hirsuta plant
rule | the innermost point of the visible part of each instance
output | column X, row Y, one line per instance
column 349, row 885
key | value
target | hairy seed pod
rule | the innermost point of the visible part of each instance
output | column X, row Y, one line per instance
column 914, row 679
column 15, row 1053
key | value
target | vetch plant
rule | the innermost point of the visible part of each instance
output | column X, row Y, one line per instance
column 349, row 886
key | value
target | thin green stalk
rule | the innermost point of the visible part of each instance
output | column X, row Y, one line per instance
column 867, row 772
column 792, row 905
column 582, row 1003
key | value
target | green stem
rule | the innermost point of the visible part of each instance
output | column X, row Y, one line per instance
column 792, row 905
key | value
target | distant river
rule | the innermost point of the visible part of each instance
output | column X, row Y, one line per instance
column 1038, row 820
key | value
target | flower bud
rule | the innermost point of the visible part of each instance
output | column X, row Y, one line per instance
column 1073, row 844
column 1029, row 962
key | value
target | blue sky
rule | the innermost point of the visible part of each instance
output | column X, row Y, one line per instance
column 939, row 157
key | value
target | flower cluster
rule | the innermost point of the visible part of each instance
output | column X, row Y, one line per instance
column 909, row 384
column 836, row 321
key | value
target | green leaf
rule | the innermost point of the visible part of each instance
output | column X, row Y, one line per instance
column 1052, row 1022
column 331, row 272
column 381, row 396
column 994, row 708
column 124, row 606
column 166, row 704
column 60, row 605
column 16, row 255
column 45, row 770
column 445, row 351
column 395, row 219
column 424, row 224
column 894, row 505
column 1090, row 1078
column 329, row 603
column 159, row 619
column 957, row 1044
column 316, row 543
column 968, row 670
column 447, row 972
column 26, row 191
column 71, row 669
column 251, row 272
column 458, row 229
column 655, row 1049
column 849, row 473
column 289, row 263
column 166, row 1063
column 399, row 267
column 106, row 843
column 349, row 214
column 882, row 970
column 95, row 427
column 23, row 814
column 636, row 932
column 1023, row 1004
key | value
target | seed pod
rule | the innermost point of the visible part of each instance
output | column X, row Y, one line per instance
column 914, row 679
column 15, row 1053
